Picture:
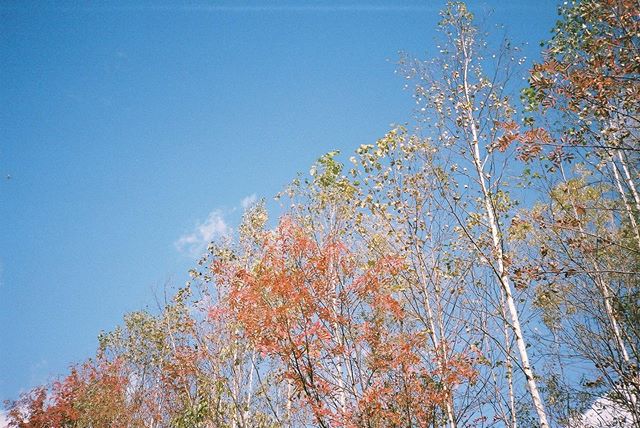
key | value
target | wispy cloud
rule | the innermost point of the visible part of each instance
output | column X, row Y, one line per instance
column 247, row 201
column 195, row 242
column 216, row 226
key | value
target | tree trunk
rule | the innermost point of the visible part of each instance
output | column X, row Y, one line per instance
column 498, row 253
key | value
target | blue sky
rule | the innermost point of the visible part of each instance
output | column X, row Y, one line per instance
column 135, row 131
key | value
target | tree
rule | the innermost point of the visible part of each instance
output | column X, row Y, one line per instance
column 473, row 121
column 93, row 394
column 587, row 227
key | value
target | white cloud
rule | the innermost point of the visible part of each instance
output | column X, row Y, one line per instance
column 216, row 226
column 4, row 422
column 195, row 242
column 247, row 201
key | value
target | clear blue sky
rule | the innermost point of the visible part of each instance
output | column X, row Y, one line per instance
column 133, row 131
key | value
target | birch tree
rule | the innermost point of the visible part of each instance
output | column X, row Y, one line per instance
column 469, row 111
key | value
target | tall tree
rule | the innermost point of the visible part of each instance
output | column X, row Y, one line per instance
column 469, row 111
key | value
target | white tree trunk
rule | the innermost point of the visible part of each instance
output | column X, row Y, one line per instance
column 629, row 180
column 623, row 195
column 498, row 253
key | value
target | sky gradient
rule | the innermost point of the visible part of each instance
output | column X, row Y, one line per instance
column 135, row 132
